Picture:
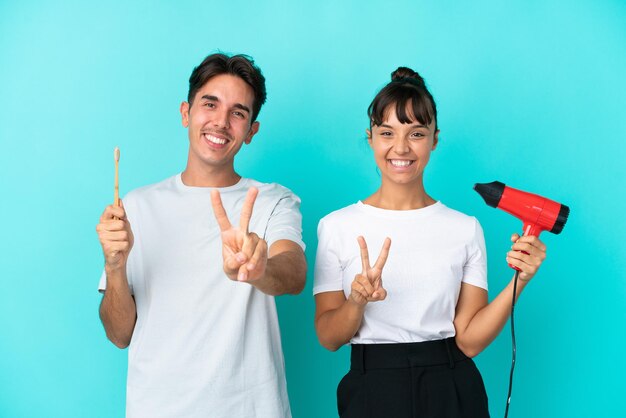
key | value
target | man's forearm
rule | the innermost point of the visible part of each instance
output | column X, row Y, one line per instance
column 285, row 274
column 117, row 309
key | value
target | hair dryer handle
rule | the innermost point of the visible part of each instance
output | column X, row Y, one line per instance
column 529, row 229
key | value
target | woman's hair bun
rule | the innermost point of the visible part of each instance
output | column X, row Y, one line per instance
column 405, row 73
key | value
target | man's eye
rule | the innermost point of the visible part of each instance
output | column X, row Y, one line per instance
column 385, row 133
column 210, row 105
column 238, row 114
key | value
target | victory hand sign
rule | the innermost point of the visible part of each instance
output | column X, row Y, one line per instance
column 244, row 253
column 368, row 286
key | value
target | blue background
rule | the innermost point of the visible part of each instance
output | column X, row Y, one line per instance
column 531, row 93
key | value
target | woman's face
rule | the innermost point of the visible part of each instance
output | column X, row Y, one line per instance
column 402, row 150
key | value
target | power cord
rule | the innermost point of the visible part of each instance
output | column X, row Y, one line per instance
column 508, row 397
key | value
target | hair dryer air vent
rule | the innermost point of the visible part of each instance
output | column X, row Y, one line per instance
column 560, row 220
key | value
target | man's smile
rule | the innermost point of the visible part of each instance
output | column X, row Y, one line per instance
column 215, row 140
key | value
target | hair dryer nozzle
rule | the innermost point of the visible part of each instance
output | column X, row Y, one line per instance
column 490, row 192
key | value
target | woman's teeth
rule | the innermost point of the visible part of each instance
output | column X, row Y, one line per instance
column 401, row 163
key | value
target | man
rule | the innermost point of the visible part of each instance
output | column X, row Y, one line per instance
column 198, row 311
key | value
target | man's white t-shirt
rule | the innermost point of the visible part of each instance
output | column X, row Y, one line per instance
column 433, row 250
column 203, row 345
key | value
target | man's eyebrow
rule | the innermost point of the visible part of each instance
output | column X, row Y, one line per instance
column 236, row 105
column 242, row 107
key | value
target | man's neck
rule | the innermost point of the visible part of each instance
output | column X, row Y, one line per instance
column 209, row 178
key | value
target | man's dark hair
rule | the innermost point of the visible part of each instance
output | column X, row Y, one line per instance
column 240, row 65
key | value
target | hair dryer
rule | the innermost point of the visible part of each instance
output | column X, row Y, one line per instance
column 536, row 212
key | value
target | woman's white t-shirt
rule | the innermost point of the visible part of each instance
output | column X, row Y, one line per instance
column 433, row 250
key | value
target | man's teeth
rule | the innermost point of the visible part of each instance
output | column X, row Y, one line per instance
column 215, row 139
column 401, row 163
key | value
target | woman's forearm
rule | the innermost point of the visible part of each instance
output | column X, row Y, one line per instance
column 488, row 322
column 336, row 327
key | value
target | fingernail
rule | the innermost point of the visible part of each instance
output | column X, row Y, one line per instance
column 250, row 266
column 242, row 277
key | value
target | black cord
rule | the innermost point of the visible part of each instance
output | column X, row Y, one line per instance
column 508, row 397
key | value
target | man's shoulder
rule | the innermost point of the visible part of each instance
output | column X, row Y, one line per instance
column 271, row 190
column 151, row 190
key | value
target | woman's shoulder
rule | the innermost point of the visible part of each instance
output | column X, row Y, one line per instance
column 457, row 219
column 341, row 215
column 456, row 215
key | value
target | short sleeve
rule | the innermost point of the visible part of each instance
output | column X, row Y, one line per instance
column 103, row 282
column 285, row 221
column 475, row 268
column 328, row 271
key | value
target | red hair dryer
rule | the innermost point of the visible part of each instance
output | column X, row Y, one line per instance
column 536, row 212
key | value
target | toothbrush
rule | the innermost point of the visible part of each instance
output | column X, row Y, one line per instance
column 116, row 198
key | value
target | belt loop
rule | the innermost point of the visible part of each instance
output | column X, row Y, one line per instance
column 450, row 358
column 362, row 358
column 358, row 357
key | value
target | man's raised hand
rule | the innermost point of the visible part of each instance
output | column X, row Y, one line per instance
column 368, row 286
column 116, row 236
column 244, row 253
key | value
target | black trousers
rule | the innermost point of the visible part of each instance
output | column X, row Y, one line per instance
column 432, row 379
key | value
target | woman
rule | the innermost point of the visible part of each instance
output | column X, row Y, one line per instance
column 413, row 335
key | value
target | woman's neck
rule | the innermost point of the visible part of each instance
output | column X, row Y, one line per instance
column 400, row 197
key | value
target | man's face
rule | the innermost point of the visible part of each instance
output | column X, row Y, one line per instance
column 219, row 122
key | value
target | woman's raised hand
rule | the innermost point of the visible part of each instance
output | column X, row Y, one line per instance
column 368, row 286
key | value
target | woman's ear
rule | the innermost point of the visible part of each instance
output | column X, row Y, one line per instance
column 435, row 139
